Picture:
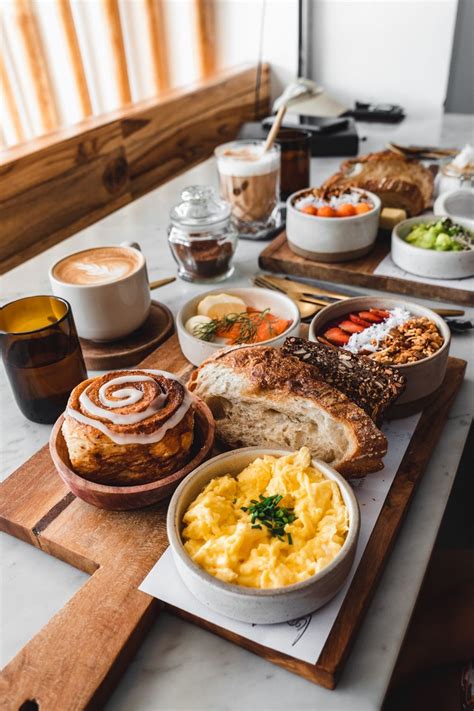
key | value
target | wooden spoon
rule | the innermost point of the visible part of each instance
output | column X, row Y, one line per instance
column 274, row 129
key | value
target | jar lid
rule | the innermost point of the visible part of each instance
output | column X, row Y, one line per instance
column 200, row 207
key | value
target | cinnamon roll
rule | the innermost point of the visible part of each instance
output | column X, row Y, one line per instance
column 129, row 427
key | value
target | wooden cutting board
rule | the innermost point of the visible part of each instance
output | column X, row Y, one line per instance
column 278, row 257
column 77, row 658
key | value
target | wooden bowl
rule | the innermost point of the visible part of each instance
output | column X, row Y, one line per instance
column 122, row 498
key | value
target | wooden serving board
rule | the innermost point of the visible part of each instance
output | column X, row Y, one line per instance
column 278, row 257
column 77, row 658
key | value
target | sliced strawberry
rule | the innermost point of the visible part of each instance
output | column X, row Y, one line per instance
column 336, row 336
column 380, row 312
column 360, row 321
column 369, row 316
column 351, row 327
column 323, row 340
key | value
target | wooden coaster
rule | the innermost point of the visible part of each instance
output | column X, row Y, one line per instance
column 132, row 349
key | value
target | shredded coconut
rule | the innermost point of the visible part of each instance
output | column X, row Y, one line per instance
column 333, row 201
column 369, row 339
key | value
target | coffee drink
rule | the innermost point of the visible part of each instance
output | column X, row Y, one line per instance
column 249, row 180
column 97, row 266
column 107, row 288
column 295, row 146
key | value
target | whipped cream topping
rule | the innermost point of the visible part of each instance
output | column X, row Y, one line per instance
column 370, row 338
column 128, row 396
column 248, row 161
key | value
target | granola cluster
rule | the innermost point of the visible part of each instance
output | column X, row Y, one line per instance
column 414, row 340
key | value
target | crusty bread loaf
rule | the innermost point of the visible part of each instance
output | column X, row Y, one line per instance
column 398, row 181
column 259, row 396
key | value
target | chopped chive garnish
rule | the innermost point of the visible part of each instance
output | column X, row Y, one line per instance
column 271, row 515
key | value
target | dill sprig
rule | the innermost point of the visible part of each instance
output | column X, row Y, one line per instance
column 271, row 515
column 248, row 326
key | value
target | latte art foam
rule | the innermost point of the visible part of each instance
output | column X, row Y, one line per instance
column 97, row 266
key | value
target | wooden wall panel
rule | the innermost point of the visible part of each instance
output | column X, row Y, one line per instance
column 114, row 26
column 69, row 180
column 68, row 26
column 155, row 15
column 36, row 64
column 9, row 103
column 206, row 36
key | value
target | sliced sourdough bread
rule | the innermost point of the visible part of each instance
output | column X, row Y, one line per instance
column 261, row 397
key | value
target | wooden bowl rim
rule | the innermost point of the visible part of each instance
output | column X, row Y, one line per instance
column 202, row 411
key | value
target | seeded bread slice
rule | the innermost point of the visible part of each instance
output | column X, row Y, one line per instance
column 371, row 385
column 259, row 396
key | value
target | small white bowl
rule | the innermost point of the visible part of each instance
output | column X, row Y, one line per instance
column 425, row 376
column 252, row 605
column 196, row 350
column 428, row 262
column 331, row 239
column 458, row 205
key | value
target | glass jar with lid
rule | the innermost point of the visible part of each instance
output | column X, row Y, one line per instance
column 202, row 236
column 458, row 172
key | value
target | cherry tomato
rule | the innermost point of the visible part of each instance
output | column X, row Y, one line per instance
column 363, row 207
column 310, row 209
column 326, row 211
column 346, row 210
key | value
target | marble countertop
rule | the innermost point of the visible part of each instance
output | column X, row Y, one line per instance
column 180, row 666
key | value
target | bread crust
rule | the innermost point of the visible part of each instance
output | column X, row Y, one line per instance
column 267, row 371
column 398, row 181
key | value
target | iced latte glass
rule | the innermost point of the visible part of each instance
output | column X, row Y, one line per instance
column 250, row 180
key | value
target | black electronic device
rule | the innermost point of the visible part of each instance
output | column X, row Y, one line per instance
column 382, row 113
column 315, row 124
column 344, row 142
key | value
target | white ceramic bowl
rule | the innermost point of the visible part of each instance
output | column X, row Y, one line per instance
column 428, row 262
column 425, row 376
column 197, row 350
column 251, row 604
column 331, row 239
column 458, row 205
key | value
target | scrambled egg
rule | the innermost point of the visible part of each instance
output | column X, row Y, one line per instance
column 219, row 536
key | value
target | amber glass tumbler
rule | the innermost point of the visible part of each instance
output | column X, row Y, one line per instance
column 42, row 355
column 295, row 147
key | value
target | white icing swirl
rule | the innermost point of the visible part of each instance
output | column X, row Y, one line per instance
column 129, row 396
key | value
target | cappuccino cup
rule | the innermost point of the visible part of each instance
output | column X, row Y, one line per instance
column 107, row 288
